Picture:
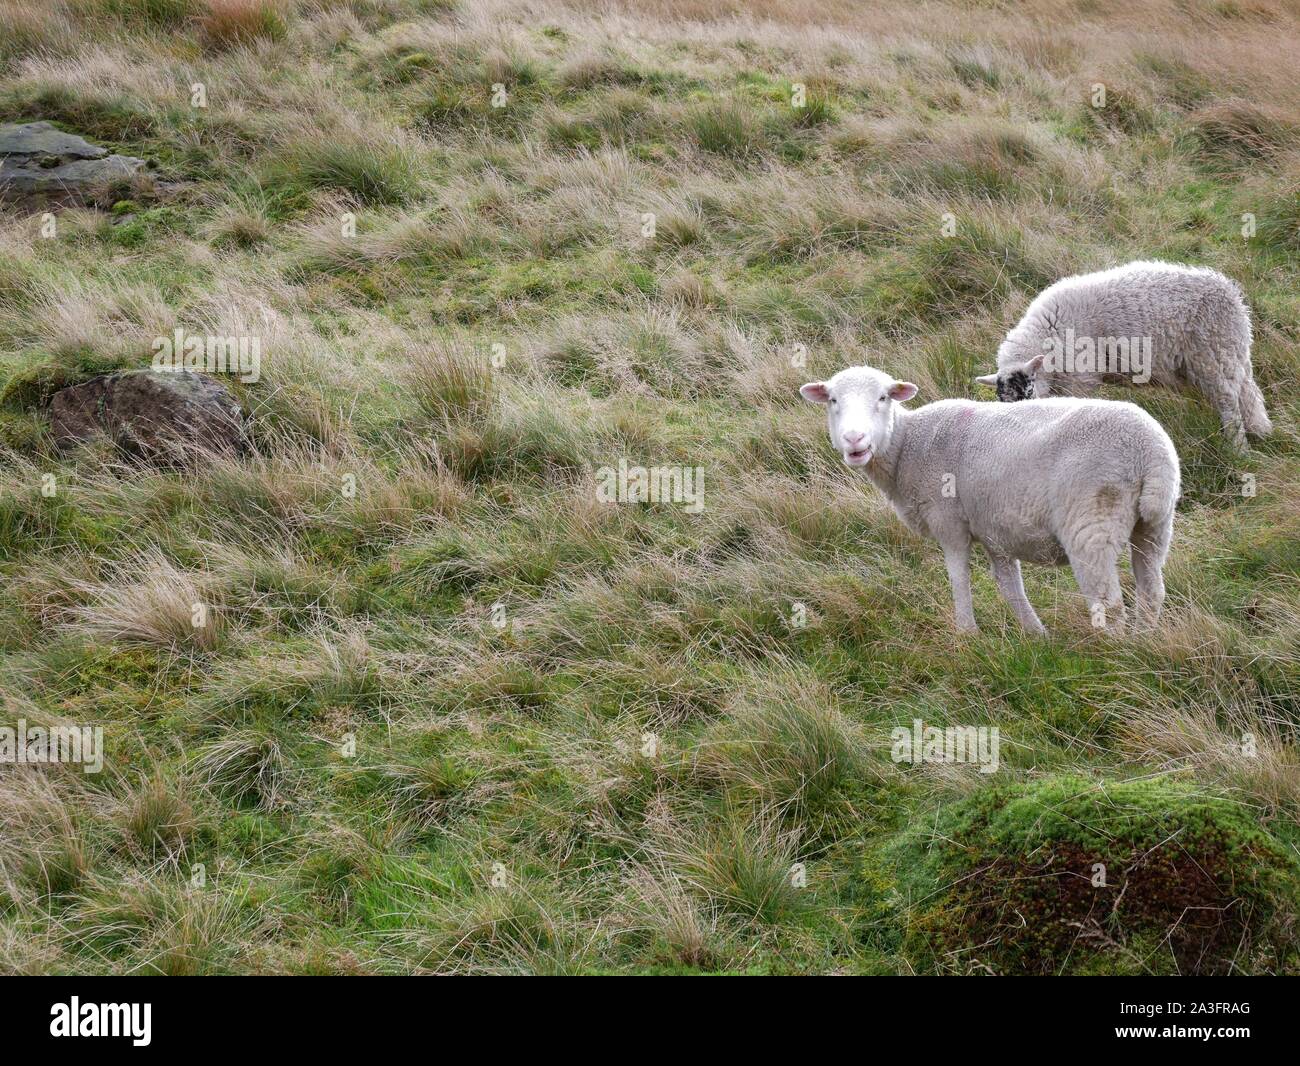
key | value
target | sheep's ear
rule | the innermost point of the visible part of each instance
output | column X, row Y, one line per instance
column 991, row 380
column 815, row 392
column 1034, row 364
column 902, row 391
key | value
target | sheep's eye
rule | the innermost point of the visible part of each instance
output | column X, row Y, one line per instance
column 834, row 401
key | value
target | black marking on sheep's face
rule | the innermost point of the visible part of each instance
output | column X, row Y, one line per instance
column 1015, row 386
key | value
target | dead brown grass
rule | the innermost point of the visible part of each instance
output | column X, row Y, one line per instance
column 228, row 23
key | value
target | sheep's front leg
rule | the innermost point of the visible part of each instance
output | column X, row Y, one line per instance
column 957, row 557
column 1012, row 586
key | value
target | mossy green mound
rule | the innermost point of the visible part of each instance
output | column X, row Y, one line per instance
column 1069, row 875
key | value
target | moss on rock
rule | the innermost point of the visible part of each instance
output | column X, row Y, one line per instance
column 1068, row 875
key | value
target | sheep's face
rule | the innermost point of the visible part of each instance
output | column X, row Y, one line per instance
column 1018, row 381
column 860, row 412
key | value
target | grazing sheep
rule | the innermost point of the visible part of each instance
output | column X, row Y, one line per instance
column 1048, row 481
column 1161, row 323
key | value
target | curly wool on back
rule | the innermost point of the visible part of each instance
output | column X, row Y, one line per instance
column 1196, row 320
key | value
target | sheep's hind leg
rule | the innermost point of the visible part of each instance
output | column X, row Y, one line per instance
column 1096, row 569
column 1227, row 403
column 1150, row 546
column 1233, row 426
column 1006, row 572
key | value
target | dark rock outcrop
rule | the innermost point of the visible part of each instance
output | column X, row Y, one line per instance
column 150, row 414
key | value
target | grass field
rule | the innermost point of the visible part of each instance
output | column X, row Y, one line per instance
column 445, row 709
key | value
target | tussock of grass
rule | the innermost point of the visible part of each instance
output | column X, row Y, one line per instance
column 244, row 766
column 244, row 221
column 230, row 23
column 1236, row 131
column 451, row 384
column 743, row 868
column 724, row 128
column 163, row 606
column 789, row 750
column 155, row 926
column 684, row 930
column 158, row 820
column 56, row 856
column 372, row 169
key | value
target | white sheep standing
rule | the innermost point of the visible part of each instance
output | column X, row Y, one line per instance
column 1047, row 481
column 1192, row 321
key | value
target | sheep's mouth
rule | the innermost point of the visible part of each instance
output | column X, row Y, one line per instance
column 858, row 457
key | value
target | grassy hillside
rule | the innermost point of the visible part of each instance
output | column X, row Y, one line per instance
column 449, row 711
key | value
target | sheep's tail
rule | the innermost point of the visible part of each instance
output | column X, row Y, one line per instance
column 1158, row 495
column 1254, row 416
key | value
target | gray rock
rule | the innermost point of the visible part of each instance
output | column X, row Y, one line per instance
column 41, row 165
column 150, row 414
column 41, row 138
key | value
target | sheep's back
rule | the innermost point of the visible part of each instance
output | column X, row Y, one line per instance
column 1160, row 301
column 1030, row 468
